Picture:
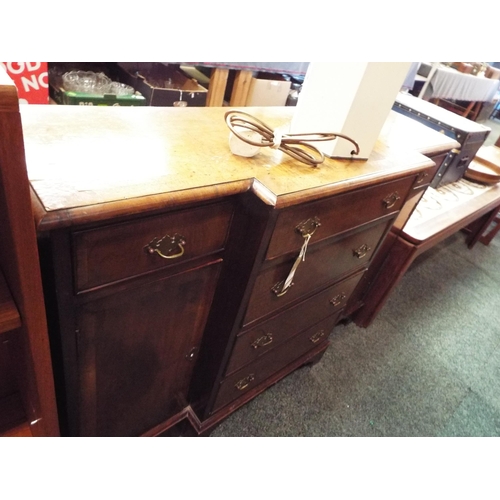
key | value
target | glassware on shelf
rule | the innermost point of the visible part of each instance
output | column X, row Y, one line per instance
column 92, row 83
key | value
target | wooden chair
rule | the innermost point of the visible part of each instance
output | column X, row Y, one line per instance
column 27, row 396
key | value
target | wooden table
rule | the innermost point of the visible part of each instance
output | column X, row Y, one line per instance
column 440, row 214
column 243, row 79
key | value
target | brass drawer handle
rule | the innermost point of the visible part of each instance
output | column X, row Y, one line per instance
column 390, row 201
column 262, row 341
column 361, row 251
column 317, row 336
column 306, row 230
column 245, row 382
column 166, row 246
column 279, row 289
column 308, row 227
column 422, row 176
column 338, row 299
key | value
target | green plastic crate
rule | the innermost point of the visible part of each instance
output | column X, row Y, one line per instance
column 61, row 96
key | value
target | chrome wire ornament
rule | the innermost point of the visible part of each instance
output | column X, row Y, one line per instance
column 256, row 134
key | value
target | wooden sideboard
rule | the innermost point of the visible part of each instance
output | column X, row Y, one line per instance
column 165, row 258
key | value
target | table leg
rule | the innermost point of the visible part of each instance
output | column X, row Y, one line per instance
column 217, row 87
column 241, row 88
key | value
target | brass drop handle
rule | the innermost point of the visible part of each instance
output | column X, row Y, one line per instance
column 361, row 251
column 279, row 289
column 306, row 229
column 390, row 201
column 245, row 382
column 422, row 176
column 338, row 299
column 168, row 247
column 262, row 341
column 317, row 336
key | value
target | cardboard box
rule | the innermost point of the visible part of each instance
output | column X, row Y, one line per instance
column 267, row 92
column 31, row 80
column 164, row 85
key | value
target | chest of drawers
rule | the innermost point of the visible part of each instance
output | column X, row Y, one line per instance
column 181, row 281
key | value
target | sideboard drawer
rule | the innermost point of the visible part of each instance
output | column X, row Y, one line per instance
column 323, row 264
column 268, row 335
column 336, row 215
column 132, row 248
column 244, row 380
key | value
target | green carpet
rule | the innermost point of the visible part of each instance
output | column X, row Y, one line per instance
column 429, row 365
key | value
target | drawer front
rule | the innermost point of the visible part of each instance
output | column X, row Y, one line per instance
column 244, row 380
column 323, row 264
column 128, row 249
column 336, row 215
column 254, row 343
column 426, row 177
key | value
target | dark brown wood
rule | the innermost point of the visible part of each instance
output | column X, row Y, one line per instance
column 412, row 243
column 136, row 356
column 275, row 360
column 266, row 336
column 20, row 266
column 111, row 253
column 324, row 263
column 122, row 326
column 338, row 214
column 9, row 315
column 204, row 426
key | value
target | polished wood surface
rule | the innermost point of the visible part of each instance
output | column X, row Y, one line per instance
column 19, row 263
column 103, row 177
column 9, row 314
column 136, row 354
column 94, row 164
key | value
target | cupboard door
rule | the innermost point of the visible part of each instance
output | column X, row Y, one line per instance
column 136, row 352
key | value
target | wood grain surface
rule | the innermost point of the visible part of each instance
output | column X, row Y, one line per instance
column 90, row 163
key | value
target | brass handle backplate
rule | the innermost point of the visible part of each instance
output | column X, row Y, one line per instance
column 308, row 227
column 422, row 176
column 390, row 201
column 338, row 299
column 262, row 341
column 317, row 336
column 168, row 247
column 278, row 289
column 245, row 382
column 361, row 251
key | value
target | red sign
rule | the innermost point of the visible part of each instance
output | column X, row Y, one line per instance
column 31, row 80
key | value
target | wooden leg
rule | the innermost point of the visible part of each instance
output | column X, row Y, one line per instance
column 240, row 88
column 477, row 229
column 217, row 87
column 397, row 262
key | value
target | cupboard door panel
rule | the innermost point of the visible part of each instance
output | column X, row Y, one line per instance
column 136, row 352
